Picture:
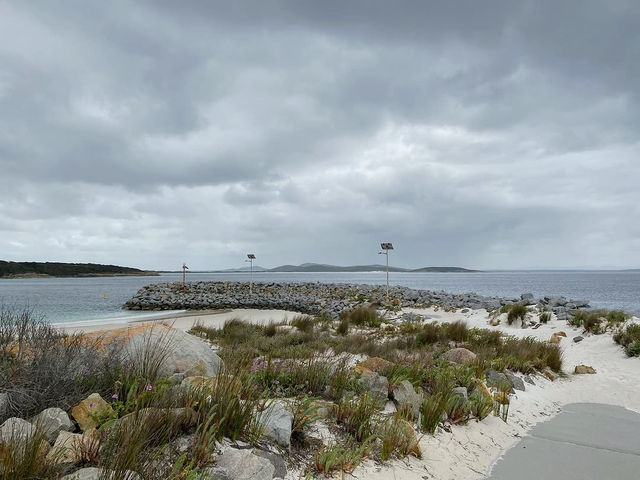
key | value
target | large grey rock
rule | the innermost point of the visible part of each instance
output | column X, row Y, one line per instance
column 495, row 378
column 92, row 473
column 527, row 299
column 377, row 386
column 405, row 395
column 556, row 301
column 184, row 353
column 460, row 392
column 276, row 421
column 459, row 355
column 280, row 468
column 53, row 421
column 16, row 430
column 233, row 464
column 516, row 382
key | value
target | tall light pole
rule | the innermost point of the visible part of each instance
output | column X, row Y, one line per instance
column 250, row 258
column 385, row 251
column 184, row 276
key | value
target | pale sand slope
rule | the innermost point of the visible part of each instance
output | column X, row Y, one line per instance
column 185, row 320
column 470, row 451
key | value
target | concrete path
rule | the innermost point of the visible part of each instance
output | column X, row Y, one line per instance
column 585, row 441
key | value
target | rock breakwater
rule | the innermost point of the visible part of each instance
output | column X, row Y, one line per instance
column 317, row 298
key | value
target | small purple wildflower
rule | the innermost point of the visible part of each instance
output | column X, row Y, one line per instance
column 115, row 396
column 148, row 388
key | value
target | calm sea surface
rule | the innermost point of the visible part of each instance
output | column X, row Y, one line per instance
column 68, row 300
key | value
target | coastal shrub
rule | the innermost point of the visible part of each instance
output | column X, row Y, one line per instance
column 295, row 377
column 457, row 409
column 480, row 405
column 356, row 415
column 304, row 323
column 398, row 372
column 41, row 367
column 305, row 413
column 598, row 321
column 430, row 334
column 22, row 459
column 397, row 439
column 363, row 317
column 235, row 402
column 134, row 444
column 270, row 329
column 516, row 312
column 343, row 326
column 629, row 339
column 457, row 331
column 432, row 409
column 340, row 457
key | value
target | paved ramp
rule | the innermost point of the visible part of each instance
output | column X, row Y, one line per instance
column 586, row 441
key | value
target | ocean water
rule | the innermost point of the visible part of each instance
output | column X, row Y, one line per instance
column 72, row 300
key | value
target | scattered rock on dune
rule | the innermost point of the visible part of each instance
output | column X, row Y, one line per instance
column 460, row 392
column 584, row 369
column 405, row 395
column 373, row 364
column 277, row 421
column 180, row 351
column 516, row 381
column 16, row 430
column 495, row 378
column 377, row 386
column 550, row 374
column 67, row 449
column 85, row 412
column 459, row 355
column 53, row 421
column 234, row 464
column 557, row 337
column 578, row 339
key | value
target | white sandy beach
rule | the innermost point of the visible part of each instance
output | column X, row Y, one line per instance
column 469, row 451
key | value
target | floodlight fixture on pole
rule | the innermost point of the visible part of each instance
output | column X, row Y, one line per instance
column 184, row 276
column 250, row 258
column 386, row 246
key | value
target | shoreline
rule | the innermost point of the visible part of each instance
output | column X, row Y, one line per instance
column 185, row 320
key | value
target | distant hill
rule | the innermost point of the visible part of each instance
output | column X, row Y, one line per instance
column 55, row 269
column 320, row 267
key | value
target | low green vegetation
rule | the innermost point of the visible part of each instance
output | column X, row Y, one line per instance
column 304, row 364
column 629, row 338
column 598, row 321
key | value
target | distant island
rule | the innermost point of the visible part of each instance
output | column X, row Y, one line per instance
column 56, row 269
column 320, row 267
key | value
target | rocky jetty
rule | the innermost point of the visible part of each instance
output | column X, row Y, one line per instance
column 321, row 298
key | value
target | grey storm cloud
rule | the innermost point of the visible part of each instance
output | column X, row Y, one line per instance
column 493, row 134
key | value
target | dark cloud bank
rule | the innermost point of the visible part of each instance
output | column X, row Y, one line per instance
column 492, row 134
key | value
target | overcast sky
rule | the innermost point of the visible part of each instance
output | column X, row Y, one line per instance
column 494, row 134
